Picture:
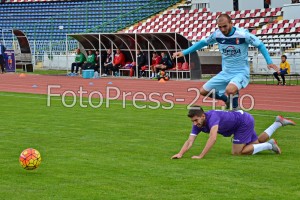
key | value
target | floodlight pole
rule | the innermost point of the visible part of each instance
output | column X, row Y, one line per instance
column 67, row 56
column 100, row 55
column 136, row 58
column 176, row 61
column 149, row 62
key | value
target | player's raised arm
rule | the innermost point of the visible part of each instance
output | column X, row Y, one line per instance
column 210, row 142
column 197, row 46
column 253, row 40
column 186, row 146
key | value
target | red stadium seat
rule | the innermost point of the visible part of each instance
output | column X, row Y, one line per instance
column 275, row 31
column 292, row 25
column 179, row 66
column 196, row 24
column 262, row 14
column 242, row 15
column 264, row 31
column 245, row 11
column 287, row 30
column 185, row 66
column 280, row 26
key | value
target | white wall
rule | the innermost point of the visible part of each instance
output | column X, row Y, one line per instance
column 200, row 1
column 221, row 6
column 60, row 62
column 249, row 5
column 197, row 3
column 279, row 3
column 291, row 11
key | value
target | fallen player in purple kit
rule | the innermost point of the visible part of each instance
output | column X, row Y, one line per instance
column 239, row 124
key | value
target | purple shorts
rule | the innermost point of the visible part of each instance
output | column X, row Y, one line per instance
column 245, row 133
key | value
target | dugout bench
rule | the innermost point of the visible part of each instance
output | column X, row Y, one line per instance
column 24, row 62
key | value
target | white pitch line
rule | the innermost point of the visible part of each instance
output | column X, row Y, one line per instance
column 179, row 100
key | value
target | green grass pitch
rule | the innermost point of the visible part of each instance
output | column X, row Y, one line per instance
column 116, row 153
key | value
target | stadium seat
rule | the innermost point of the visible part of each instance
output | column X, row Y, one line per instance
column 42, row 18
column 185, row 66
column 205, row 23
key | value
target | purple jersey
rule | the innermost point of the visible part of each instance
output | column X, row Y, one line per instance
column 229, row 122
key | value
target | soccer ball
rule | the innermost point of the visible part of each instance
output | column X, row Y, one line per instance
column 30, row 159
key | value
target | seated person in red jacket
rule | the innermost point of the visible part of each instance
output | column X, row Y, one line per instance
column 119, row 61
column 166, row 62
column 156, row 60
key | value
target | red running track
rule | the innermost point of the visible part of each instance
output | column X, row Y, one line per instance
column 265, row 97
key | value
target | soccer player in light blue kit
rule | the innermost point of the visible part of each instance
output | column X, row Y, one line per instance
column 237, row 123
column 233, row 44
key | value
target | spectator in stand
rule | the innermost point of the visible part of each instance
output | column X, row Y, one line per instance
column 267, row 3
column 166, row 63
column 235, row 5
column 2, row 50
column 108, row 62
column 79, row 60
column 118, row 62
column 284, row 69
column 156, row 60
column 90, row 62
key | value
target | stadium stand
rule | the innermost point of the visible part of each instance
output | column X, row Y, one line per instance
column 50, row 20
column 44, row 21
column 25, row 1
column 197, row 24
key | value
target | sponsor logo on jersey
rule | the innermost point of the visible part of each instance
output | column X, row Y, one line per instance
column 231, row 41
column 231, row 51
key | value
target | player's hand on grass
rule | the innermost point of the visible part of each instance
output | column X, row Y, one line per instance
column 197, row 157
column 177, row 156
column 177, row 54
column 272, row 66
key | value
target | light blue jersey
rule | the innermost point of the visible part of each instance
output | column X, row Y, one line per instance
column 234, row 49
